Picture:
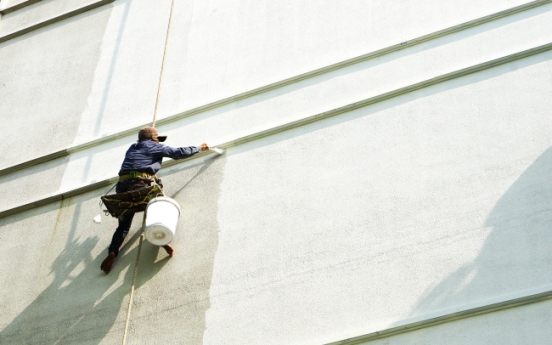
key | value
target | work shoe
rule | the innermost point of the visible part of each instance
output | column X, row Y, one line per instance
column 169, row 249
column 108, row 262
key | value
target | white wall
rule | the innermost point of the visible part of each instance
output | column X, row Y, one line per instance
column 430, row 201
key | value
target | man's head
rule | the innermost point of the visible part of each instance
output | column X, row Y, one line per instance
column 150, row 133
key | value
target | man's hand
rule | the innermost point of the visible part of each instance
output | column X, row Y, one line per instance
column 204, row 147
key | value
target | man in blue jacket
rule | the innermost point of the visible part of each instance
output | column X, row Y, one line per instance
column 142, row 161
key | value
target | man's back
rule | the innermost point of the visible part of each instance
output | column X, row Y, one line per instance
column 146, row 156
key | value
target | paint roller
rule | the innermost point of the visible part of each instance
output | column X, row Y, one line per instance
column 218, row 150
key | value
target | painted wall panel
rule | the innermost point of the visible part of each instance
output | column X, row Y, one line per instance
column 97, row 74
column 219, row 49
column 415, row 205
column 39, row 74
column 514, row 326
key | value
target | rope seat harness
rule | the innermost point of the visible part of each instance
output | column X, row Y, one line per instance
column 137, row 174
column 135, row 200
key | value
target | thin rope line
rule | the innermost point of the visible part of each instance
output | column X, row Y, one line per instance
column 162, row 66
column 131, row 297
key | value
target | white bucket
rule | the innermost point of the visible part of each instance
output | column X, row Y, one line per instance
column 161, row 217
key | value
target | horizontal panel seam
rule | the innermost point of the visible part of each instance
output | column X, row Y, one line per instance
column 53, row 20
column 19, row 6
column 430, row 322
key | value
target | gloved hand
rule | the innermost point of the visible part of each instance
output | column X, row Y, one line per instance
column 204, row 147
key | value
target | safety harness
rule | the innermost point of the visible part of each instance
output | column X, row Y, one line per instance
column 135, row 200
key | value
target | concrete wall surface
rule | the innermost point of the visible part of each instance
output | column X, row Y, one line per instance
column 405, row 184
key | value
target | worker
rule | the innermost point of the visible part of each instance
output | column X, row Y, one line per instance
column 142, row 161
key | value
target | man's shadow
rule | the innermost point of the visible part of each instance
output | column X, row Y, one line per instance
column 82, row 307
column 516, row 256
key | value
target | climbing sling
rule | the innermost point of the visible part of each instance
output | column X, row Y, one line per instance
column 132, row 201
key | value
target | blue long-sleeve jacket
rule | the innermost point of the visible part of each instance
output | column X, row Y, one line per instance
column 146, row 156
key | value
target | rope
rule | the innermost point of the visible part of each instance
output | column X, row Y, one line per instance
column 162, row 66
column 131, row 297
column 134, row 278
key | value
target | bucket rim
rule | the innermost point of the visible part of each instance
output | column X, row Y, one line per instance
column 164, row 198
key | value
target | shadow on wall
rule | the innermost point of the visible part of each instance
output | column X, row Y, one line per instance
column 516, row 255
column 89, row 307
column 79, row 308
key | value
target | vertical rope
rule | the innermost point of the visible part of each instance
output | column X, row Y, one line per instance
column 131, row 297
column 162, row 66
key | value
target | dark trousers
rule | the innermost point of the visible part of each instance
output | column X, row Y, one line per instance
column 126, row 220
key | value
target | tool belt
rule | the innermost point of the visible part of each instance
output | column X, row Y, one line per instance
column 137, row 175
column 132, row 201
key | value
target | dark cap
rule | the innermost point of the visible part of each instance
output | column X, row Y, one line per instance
column 150, row 133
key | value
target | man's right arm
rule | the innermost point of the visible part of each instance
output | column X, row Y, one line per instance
column 183, row 152
column 180, row 152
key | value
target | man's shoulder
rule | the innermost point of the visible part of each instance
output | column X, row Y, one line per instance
column 147, row 144
column 152, row 143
